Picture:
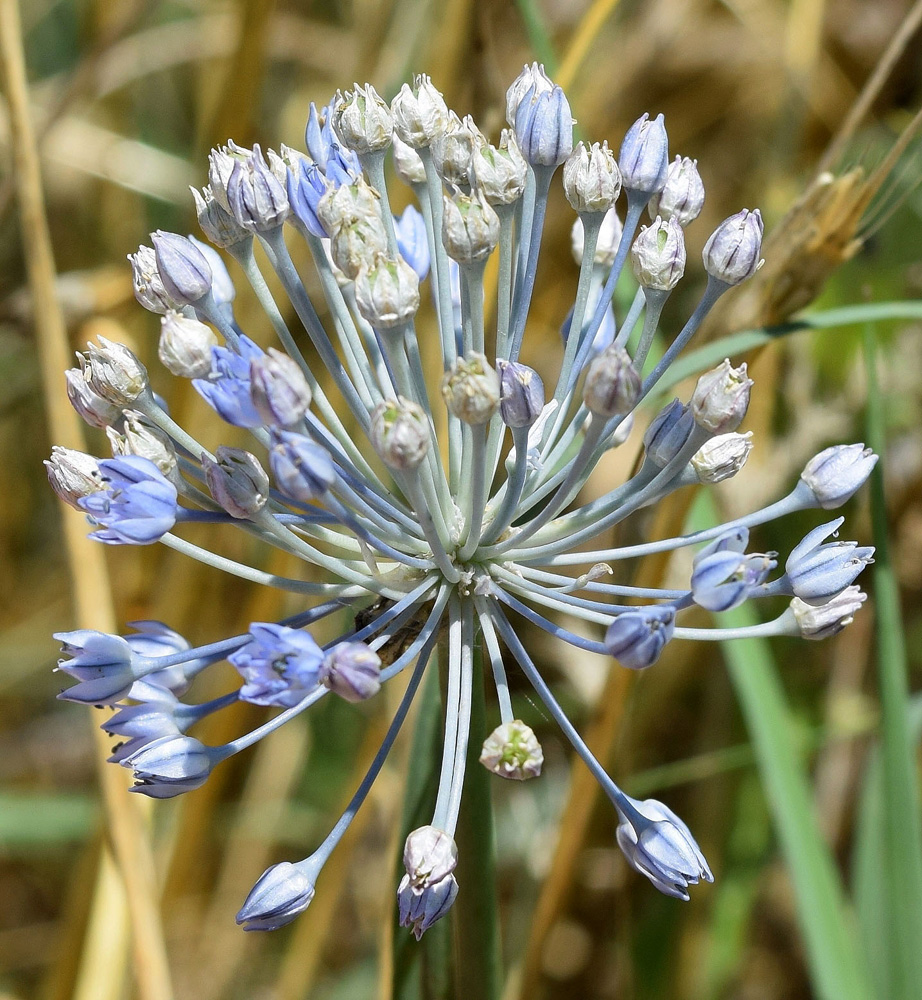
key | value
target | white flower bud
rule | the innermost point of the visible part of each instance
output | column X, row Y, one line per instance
column 140, row 438
column 612, row 383
column 470, row 227
column 148, row 285
column 722, row 457
column 512, row 751
column 221, row 163
column 453, row 149
column 363, row 121
column 237, row 481
column 387, row 293
column 429, row 855
column 531, row 76
column 830, row 618
column 216, row 223
column 114, row 372
column 95, row 410
column 608, row 242
column 471, row 389
column 400, row 433
column 591, row 178
column 683, row 196
column 420, row 113
column 185, row 346
column 408, row 163
column 721, row 398
column 347, row 203
column 658, row 255
column 356, row 245
column 499, row 173
column 73, row 474
column 731, row 253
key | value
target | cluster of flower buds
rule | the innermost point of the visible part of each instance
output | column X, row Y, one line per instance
column 386, row 487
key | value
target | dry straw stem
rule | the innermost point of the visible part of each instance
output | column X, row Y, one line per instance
column 92, row 595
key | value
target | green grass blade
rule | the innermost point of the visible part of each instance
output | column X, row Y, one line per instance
column 836, row 962
column 902, row 823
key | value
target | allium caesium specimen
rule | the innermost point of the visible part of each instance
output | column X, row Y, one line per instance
column 457, row 550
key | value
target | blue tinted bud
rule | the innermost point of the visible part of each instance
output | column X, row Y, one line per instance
column 837, row 473
column 668, row 433
column 412, row 241
column 183, row 269
column 154, row 639
column 419, row 909
column 731, row 253
column 733, row 540
column 256, row 197
column 818, row 572
column 521, row 393
column 170, row 766
column 222, row 287
column 280, row 894
column 227, row 388
column 137, row 505
column 352, row 670
column 302, row 469
column 306, row 186
column 544, row 127
column 236, row 480
column 644, row 159
column 636, row 638
column 280, row 665
column 659, row 845
column 102, row 663
column 278, row 389
column 724, row 579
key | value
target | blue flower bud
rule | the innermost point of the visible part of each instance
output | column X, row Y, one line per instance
column 659, row 845
column 644, row 158
column 668, row 432
column 137, row 505
column 227, row 388
column 636, row 638
column 169, row 766
column 302, row 469
column 280, row 894
column 102, row 663
column 419, row 909
column 278, row 389
column 183, row 269
column 837, row 473
column 521, row 393
column 306, row 185
column 818, row 572
column 732, row 540
column 222, row 286
column 731, row 253
column 724, row 579
column 412, row 241
column 352, row 670
column 544, row 127
column 237, row 481
column 154, row 639
column 256, row 197
column 280, row 665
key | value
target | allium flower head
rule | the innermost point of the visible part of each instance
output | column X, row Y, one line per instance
column 413, row 468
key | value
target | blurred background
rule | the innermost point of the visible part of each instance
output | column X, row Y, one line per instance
column 771, row 753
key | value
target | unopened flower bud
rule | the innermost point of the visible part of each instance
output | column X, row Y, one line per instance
column 363, row 121
column 682, row 198
column 644, row 157
column 93, row 408
column 141, row 438
column 837, row 473
column 612, row 383
column 302, row 469
column 721, row 398
column 532, row 76
column 591, row 178
column 544, row 127
column 453, row 149
column 408, row 164
column 419, row 909
column 429, row 855
column 658, row 255
column 352, row 670
column 169, row 766
column 521, row 394
column 356, row 245
column 115, row 372
column 724, row 579
column 343, row 204
column 818, row 572
column 237, row 481
column 731, row 253
column 609, row 240
column 413, row 240
column 184, row 271
column 668, row 433
column 499, row 172
column 73, row 474
column 222, row 287
column 216, row 222
column 148, row 286
column 387, row 293
column 278, row 389
column 221, row 163
column 185, row 346
column 830, row 618
column 471, row 389
column 470, row 227
column 512, row 751
column 400, row 433
column 257, row 199
column 636, row 638
column 281, row 893
column 306, row 185
column 420, row 113
column 722, row 457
